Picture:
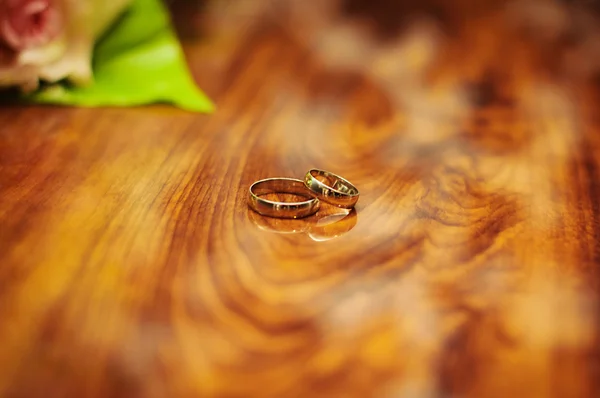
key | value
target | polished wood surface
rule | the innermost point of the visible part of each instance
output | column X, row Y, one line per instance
column 130, row 265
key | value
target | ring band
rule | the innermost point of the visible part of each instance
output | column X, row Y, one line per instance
column 337, row 190
column 272, row 208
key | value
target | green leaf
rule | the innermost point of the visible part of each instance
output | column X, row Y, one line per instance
column 138, row 61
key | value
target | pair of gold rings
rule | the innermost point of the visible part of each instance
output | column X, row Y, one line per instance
column 317, row 185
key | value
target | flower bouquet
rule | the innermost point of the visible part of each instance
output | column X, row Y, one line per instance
column 94, row 53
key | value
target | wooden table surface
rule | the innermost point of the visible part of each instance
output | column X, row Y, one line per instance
column 130, row 265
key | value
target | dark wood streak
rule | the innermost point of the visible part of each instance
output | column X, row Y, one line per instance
column 590, row 253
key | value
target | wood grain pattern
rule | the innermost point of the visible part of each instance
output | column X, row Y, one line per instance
column 130, row 265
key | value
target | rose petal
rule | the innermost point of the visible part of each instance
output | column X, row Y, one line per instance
column 29, row 23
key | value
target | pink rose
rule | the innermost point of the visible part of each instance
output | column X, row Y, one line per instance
column 51, row 40
column 28, row 23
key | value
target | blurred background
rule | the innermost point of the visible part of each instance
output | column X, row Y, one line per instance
column 564, row 34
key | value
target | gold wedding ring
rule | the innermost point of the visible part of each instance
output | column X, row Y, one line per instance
column 277, row 209
column 331, row 188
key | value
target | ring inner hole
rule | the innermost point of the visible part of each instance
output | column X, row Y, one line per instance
column 283, row 191
column 327, row 180
column 283, row 197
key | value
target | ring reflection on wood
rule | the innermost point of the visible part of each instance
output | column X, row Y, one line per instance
column 325, row 225
column 333, row 226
